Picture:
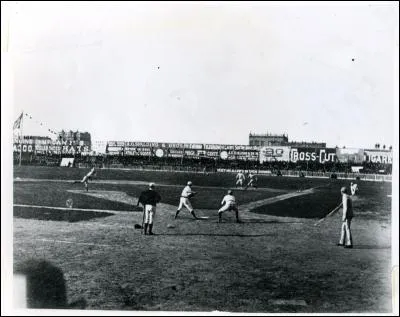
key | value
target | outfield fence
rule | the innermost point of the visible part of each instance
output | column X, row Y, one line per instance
column 292, row 173
column 287, row 173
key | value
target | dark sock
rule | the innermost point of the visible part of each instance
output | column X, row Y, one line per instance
column 177, row 213
column 145, row 228
column 150, row 228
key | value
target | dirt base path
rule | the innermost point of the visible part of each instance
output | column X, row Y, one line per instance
column 244, row 210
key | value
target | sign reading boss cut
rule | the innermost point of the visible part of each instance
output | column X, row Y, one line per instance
column 312, row 155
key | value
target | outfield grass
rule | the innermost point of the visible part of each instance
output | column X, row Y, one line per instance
column 371, row 201
column 262, row 265
column 56, row 195
column 206, row 198
column 178, row 178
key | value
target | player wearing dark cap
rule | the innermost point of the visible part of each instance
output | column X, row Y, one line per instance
column 149, row 199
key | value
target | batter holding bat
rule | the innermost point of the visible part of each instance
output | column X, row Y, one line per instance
column 187, row 193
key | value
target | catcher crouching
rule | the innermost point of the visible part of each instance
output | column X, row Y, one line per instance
column 228, row 204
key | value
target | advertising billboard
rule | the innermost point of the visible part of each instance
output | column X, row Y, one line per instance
column 321, row 155
column 274, row 153
column 351, row 155
column 382, row 157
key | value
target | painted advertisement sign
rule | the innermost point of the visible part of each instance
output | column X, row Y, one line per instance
column 55, row 148
column 322, row 155
column 382, row 157
column 350, row 155
column 274, row 153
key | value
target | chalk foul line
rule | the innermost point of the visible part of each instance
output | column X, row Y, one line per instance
column 77, row 209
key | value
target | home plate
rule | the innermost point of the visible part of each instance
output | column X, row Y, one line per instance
column 170, row 226
column 203, row 218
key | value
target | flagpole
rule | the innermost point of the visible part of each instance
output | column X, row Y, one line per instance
column 20, row 133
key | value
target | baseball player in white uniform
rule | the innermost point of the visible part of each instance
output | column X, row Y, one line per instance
column 345, row 235
column 252, row 181
column 86, row 178
column 228, row 204
column 240, row 178
column 353, row 188
column 187, row 193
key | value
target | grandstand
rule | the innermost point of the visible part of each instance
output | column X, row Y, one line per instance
column 282, row 160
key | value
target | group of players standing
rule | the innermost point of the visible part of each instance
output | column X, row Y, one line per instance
column 150, row 198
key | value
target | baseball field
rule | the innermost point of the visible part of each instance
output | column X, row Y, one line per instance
column 277, row 260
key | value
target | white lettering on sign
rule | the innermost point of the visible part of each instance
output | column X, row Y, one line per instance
column 380, row 159
column 212, row 147
column 212, row 153
column 274, row 153
column 190, row 152
column 323, row 157
column 326, row 157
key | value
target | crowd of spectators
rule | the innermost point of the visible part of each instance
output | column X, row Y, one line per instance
column 200, row 164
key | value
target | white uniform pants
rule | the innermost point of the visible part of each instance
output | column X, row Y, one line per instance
column 149, row 213
column 346, row 233
column 185, row 202
column 239, row 182
column 230, row 206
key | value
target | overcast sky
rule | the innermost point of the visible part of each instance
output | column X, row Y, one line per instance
column 207, row 72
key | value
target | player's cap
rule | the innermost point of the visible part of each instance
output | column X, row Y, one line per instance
column 343, row 190
column 230, row 192
column 151, row 185
column 189, row 183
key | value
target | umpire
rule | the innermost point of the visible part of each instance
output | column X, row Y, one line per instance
column 149, row 199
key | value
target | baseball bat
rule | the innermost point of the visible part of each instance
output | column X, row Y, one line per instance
column 144, row 210
column 331, row 213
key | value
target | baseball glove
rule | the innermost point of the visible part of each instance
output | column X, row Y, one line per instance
column 192, row 194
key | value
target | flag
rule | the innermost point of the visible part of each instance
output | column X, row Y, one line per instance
column 17, row 123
